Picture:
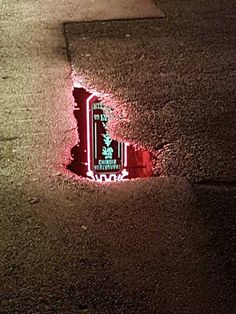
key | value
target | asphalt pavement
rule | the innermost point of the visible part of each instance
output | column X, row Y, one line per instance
column 171, row 82
column 159, row 245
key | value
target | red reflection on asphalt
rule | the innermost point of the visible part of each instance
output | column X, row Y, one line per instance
column 99, row 157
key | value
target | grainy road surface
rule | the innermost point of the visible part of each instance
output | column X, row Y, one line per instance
column 160, row 245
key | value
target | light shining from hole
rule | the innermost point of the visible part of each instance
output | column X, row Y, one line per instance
column 104, row 177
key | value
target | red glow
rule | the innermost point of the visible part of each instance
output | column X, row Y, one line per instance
column 97, row 156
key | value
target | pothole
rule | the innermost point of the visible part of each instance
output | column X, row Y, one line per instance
column 97, row 156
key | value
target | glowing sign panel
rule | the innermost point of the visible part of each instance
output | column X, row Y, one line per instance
column 96, row 155
column 106, row 157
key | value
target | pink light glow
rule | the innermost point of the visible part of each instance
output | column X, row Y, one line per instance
column 133, row 163
column 88, row 132
column 125, row 153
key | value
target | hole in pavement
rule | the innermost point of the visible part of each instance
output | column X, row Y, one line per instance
column 97, row 156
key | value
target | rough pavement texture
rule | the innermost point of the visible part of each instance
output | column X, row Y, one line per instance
column 122, row 9
column 147, row 246
column 171, row 82
column 69, row 246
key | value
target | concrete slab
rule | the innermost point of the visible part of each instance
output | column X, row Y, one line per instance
column 122, row 9
column 173, row 80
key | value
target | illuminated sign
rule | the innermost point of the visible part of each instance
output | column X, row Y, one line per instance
column 106, row 158
column 97, row 156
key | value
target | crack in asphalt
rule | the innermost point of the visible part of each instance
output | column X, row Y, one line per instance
column 7, row 139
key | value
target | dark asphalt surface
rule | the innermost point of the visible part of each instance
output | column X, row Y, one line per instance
column 160, row 245
column 155, row 246
column 171, row 82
